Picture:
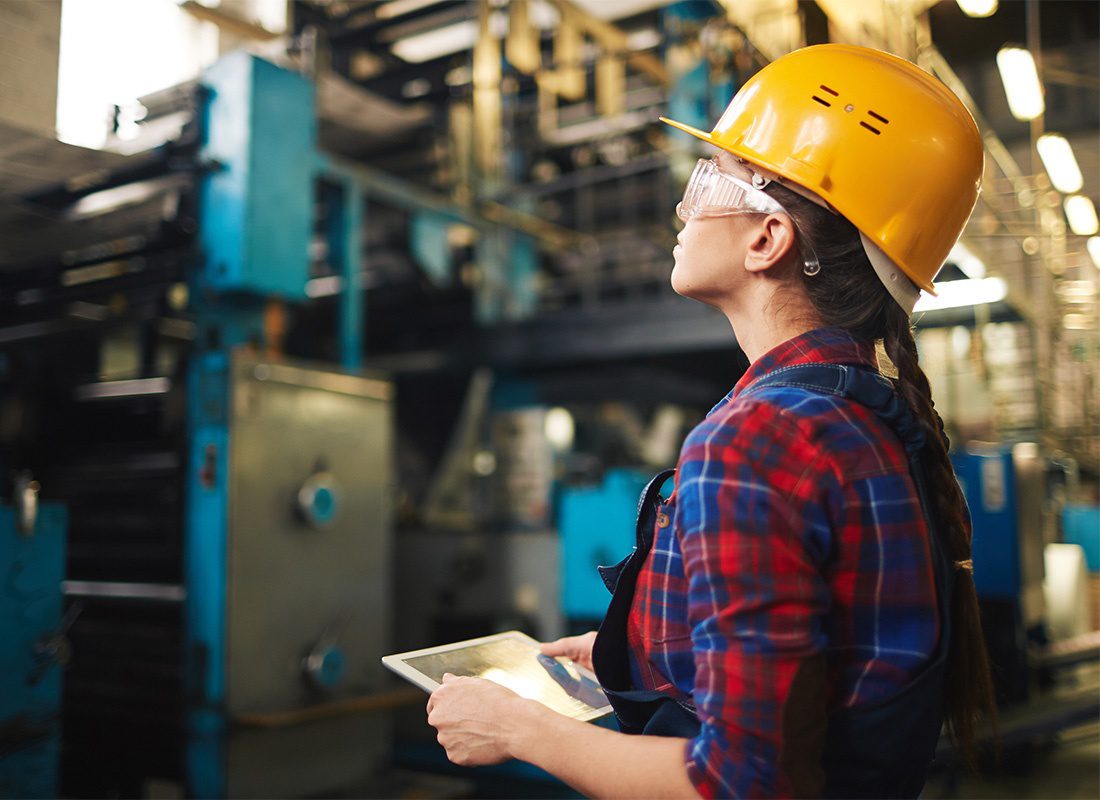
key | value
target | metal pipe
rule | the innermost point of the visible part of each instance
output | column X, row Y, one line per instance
column 160, row 592
column 380, row 185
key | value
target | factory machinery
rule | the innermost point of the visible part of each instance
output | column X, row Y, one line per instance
column 222, row 508
column 227, row 559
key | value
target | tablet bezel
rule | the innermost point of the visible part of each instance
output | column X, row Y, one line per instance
column 397, row 663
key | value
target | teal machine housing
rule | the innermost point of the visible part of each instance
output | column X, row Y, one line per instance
column 32, row 649
column 596, row 525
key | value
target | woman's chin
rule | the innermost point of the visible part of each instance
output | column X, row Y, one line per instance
column 680, row 285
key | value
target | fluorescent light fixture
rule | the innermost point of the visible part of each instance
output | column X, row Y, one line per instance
column 970, row 264
column 958, row 294
column 1079, row 322
column 1021, row 81
column 643, row 39
column 978, row 8
column 1081, row 214
column 400, row 7
column 559, row 428
column 131, row 388
column 441, row 42
column 1093, row 245
column 1061, row 165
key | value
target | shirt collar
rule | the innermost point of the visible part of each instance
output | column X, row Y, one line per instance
column 820, row 346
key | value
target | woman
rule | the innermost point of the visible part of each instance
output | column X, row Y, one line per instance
column 799, row 616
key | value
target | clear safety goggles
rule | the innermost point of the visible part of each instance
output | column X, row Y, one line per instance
column 710, row 192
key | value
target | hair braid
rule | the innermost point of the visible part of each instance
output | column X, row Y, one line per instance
column 968, row 692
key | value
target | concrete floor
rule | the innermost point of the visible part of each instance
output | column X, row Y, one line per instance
column 1067, row 768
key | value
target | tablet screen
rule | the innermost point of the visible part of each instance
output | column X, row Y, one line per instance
column 513, row 661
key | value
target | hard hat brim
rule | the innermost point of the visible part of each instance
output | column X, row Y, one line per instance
column 698, row 134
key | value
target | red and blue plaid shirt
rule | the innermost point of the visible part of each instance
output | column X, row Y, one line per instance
column 791, row 575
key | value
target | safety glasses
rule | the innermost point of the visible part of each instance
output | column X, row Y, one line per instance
column 710, row 192
column 713, row 193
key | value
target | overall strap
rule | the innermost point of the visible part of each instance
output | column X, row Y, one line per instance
column 643, row 533
column 861, row 384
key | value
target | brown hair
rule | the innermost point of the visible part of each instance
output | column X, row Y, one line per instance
column 847, row 294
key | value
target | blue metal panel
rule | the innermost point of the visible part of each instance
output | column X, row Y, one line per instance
column 1081, row 525
column 351, row 298
column 31, row 570
column 256, row 210
column 205, row 571
column 989, row 483
column 597, row 529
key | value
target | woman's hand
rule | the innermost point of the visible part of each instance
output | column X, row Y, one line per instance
column 475, row 719
column 578, row 648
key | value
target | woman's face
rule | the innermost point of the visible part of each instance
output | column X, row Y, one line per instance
column 710, row 257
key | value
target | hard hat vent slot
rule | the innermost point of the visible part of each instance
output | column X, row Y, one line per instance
column 833, row 92
column 875, row 131
column 879, row 117
column 825, row 103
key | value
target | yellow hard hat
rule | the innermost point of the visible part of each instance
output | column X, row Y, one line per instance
column 877, row 138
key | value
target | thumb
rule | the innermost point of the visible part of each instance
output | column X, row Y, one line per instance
column 558, row 647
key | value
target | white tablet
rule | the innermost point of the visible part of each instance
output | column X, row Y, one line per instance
column 513, row 660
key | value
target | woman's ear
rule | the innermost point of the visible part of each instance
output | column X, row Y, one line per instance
column 773, row 238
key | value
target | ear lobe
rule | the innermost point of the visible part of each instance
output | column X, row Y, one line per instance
column 774, row 239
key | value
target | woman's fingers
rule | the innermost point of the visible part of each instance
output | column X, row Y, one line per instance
column 578, row 648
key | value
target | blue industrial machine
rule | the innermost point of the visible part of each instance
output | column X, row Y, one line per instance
column 1004, row 487
column 596, row 524
column 33, row 648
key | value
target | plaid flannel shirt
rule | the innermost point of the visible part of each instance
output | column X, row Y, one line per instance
column 790, row 575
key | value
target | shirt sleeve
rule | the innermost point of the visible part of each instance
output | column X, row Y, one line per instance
column 754, row 530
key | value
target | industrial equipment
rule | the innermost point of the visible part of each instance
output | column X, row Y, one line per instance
column 33, row 648
column 230, row 508
column 1004, row 487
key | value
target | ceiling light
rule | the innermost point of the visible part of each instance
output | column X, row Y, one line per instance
column 1021, row 81
column 978, row 8
column 957, row 294
column 970, row 264
column 1060, row 163
column 441, row 42
column 1081, row 214
column 398, row 8
column 1079, row 322
column 1093, row 245
column 643, row 39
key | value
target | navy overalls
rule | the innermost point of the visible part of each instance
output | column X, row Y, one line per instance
column 879, row 749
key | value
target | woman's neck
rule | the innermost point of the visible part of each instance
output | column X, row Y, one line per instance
column 762, row 325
